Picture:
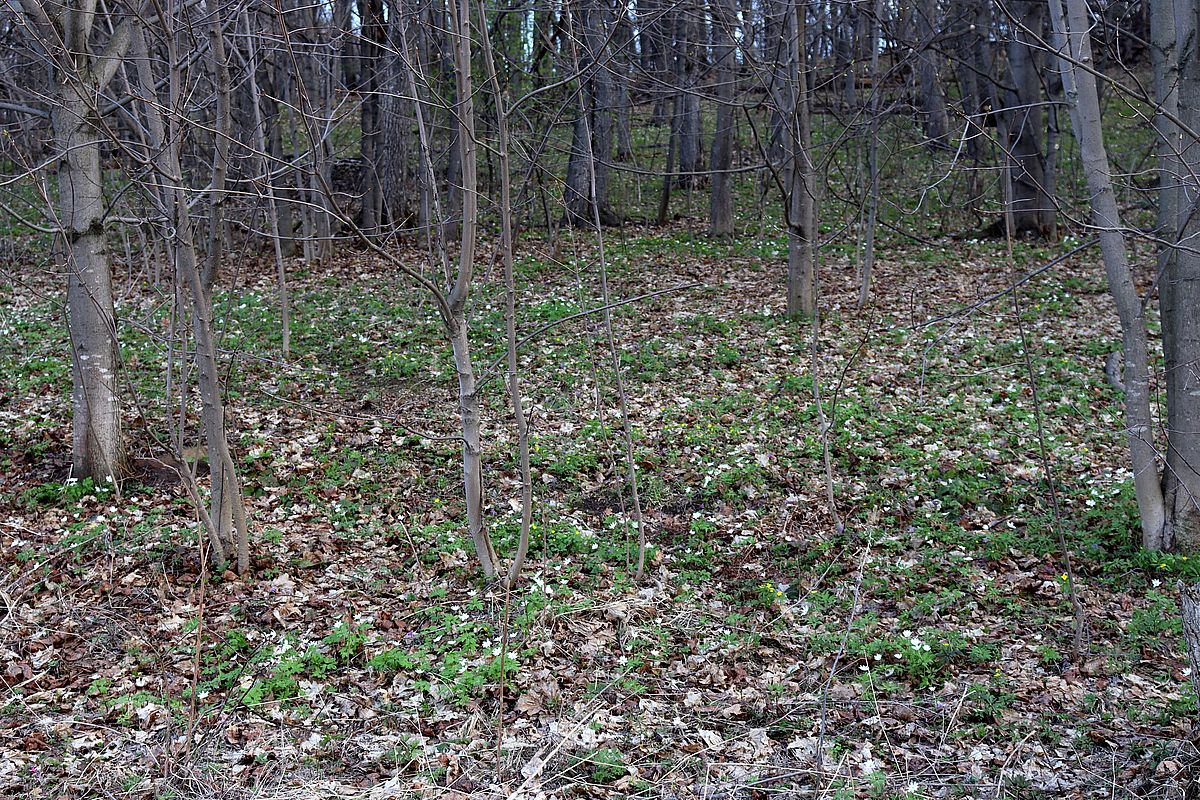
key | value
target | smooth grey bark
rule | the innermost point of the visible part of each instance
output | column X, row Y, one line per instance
column 1189, row 612
column 318, row 82
column 845, row 48
column 399, row 162
column 1183, row 280
column 227, row 513
column 97, row 447
column 513, row 375
column 1072, row 39
column 973, row 74
column 468, row 394
column 668, row 181
column 622, row 102
column 720, row 217
column 1166, row 76
column 1032, row 209
column 275, row 106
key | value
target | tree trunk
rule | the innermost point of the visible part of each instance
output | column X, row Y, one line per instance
column 801, row 201
column 222, row 131
column 1183, row 280
column 720, row 216
column 1165, row 64
column 97, row 449
column 227, row 512
column 872, row 212
column 1032, row 209
column 370, row 46
column 1072, row 36
column 96, row 444
column 468, row 394
column 934, row 120
column 691, row 159
column 595, row 118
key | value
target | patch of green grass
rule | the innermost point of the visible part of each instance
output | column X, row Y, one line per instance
column 605, row 765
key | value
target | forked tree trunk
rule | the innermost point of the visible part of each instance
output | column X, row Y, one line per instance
column 227, row 514
column 468, row 394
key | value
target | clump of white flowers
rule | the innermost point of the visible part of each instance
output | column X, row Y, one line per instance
column 915, row 641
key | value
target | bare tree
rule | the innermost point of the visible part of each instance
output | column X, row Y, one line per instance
column 1073, row 38
column 228, row 525
column 64, row 33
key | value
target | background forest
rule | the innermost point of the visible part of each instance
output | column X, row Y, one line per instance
column 700, row 399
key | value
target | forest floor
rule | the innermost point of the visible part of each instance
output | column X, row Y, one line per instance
column 925, row 651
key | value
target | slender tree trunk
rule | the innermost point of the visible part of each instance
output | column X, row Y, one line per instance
column 228, row 512
column 274, row 213
column 845, row 54
column 1165, row 64
column 468, row 395
column 1072, row 37
column 668, row 181
column 691, row 160
column 510, row 312
column 868, row 261
column 222, row 131
column 801, row 205
column 370, row 45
